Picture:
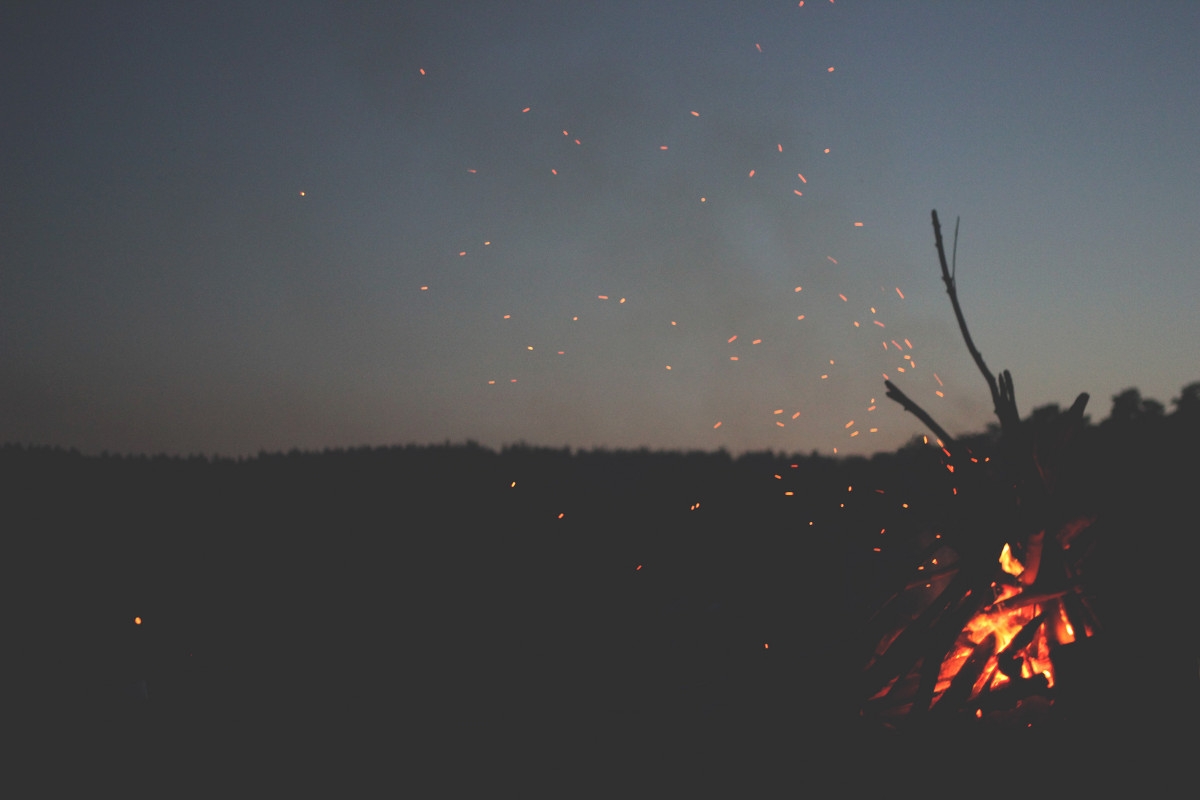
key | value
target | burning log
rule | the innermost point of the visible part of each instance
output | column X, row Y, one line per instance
column 1013, row 594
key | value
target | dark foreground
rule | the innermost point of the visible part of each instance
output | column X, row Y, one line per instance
column 378, row 615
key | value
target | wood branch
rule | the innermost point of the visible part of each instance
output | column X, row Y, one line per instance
column 960, row 687
column 1001, row 401
column 904, row 400
column 1007, row 659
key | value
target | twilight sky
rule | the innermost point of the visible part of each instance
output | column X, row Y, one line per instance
column 231, row 226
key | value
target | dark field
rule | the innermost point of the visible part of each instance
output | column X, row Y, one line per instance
column 398, row 609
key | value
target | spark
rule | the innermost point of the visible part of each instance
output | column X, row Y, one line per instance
column 831, row 258
column 424, row 288
column 939, row 380
column 843, row 298
column 899, row 292
column 602, row 296
column 716, row 426
column 751, row 175
column 798, row 192
column 801, row 177
column 858, row 224
column 662, row 147
column 731, row 338
column 848, row 424
column 829, row 70
column 554, row 171
column 758, row 46
column 780, row 146
column 795, row 415
column 524, row 110
column 907, row 342
column 798, row 288
column 302, row 194
column 757, row 341
column 137, row 620
column 880, row 324
column 779, row 411
column 695, row 113
column 800, row 317
column 422, row 70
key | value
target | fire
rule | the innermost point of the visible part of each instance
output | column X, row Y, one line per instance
column 997, row 627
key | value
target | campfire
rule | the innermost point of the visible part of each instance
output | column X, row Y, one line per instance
column 977, row 635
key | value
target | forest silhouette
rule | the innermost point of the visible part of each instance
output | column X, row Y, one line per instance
column 586, row 598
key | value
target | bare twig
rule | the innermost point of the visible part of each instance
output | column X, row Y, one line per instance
column 1002, row 395
column 910, row 406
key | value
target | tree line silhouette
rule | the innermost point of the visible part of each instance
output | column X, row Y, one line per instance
column 358, row 594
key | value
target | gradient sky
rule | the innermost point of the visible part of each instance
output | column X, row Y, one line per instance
column 232, row 226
